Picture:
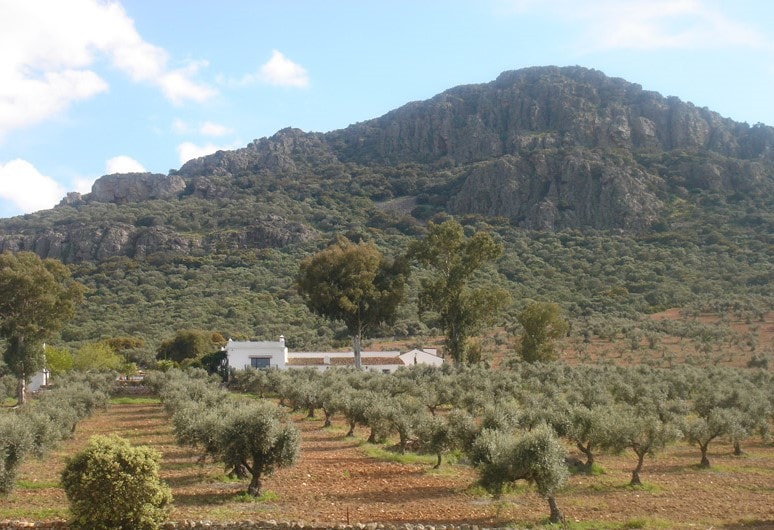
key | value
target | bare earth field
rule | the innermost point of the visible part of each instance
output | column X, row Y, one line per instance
column 335, row 482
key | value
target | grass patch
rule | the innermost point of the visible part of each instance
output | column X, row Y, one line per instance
column 446, row 470
column 134, row 400
column 378, row 452
column 225, row 479
column 595, row 471
column 646, row 486
column 35, row 514
column 637, row 522
column 36, row 485
column 646, row 522
column 514, row 488
column 265, row 496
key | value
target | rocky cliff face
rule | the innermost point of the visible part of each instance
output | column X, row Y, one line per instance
column 548, row 191
column 280, row 153
column 547, row 148
column 75, row 243
column 575, row 107
column 136, row 187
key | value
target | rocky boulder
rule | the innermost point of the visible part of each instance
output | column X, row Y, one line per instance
column 122, row 188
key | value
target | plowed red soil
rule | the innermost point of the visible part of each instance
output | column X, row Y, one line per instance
column 334, row 482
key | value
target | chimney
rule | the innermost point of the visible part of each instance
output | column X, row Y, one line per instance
column 282, row 339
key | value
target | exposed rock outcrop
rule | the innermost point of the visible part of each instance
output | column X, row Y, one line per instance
column 547, row 148
column 577, row 106
column 78, row 242
column 123, row 188
column 280, row 153
column 547, row 191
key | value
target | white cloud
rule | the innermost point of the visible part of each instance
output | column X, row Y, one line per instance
column 647, row 24
column 281, row 71
column 123, row 164
column 51, row 52
column 178, row 86
column 83, row 184
column 180, row 127
column 207, row 128
column 26, row 188
column 188, row 150
column 213, row 129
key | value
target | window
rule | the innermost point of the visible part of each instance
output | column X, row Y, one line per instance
column 260, row 362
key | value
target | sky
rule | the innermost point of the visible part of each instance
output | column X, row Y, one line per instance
column 94, row 87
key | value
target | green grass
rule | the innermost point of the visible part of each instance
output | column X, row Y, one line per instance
column 36, row 514
column 378, row 452
column 35, row 485
column 637, row 522
column 134, row 400
column 596, row 470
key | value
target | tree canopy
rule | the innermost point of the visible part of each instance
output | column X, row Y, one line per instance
column 543, row 323
column 190, row 344
column 453, row 259
column 355, row 284
column 37, row 297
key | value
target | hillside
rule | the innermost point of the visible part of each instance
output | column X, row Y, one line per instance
column 611, row 200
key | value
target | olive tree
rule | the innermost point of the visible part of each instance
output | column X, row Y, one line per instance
column 16, row 441
column 114, row 486
column 355, row 284
column 537, row 457
column 258, row 438
column 444, row 433
column 453, row 260
column 542, row 323
column 37, row 297
column 644, row 432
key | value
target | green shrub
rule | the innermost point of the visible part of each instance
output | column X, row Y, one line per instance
column 114, row 486
column 16, row 440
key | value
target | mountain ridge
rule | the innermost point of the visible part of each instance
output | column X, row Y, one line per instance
column 608, row 199
column 546, row 148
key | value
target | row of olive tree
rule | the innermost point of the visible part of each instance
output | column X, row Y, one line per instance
column 248, row 437
column 594, row 409
column 36, row 428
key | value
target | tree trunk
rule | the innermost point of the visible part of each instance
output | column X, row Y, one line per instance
column 635, row 481
column 254, row 488
column 704, row 460
column 356, row 349
column 21, row 391
column 438, row 462
column 738, row 448
column 556, row 514
column 586, row 450
column 351, row 431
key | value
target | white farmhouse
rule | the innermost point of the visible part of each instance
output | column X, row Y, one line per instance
column 243, row 355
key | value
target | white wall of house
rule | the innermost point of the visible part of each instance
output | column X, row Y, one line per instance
column 257, row 354
column 38, row 380
column 270, row 354
column 421, row 357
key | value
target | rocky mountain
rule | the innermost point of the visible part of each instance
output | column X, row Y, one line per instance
column 545, row 148
column 608, row 199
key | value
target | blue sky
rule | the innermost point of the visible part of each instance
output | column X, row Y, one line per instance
column 91, row 87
